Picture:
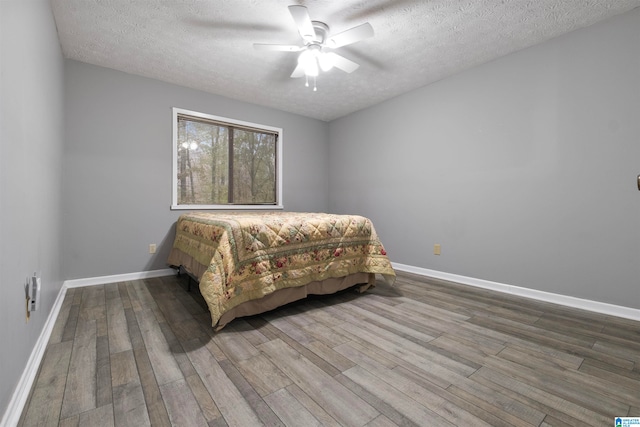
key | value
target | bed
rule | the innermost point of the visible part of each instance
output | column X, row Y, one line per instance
column 250, row 263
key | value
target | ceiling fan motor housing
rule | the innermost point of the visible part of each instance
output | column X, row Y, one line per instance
column 321, row 30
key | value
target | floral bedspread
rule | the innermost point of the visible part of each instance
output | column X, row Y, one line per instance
column 250, row 255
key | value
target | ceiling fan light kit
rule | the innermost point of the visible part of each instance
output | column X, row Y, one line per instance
column 314, row 54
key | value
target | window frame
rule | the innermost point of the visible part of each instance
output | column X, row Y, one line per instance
column 278, row 205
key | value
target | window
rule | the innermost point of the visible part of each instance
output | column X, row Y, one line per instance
column 220, row 163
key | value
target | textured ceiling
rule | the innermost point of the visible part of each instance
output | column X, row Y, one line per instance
column 208, row 44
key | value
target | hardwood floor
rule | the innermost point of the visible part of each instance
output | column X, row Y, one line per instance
column 423, row 352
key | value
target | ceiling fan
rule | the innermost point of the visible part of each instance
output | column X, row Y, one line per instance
column 316, row 54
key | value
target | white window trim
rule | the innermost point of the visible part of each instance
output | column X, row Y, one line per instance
column 279, row 165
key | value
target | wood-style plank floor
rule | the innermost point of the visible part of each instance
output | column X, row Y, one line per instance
column 424, row 352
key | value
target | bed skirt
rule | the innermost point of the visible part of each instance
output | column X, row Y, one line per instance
column 360, row 281
column 288, row 295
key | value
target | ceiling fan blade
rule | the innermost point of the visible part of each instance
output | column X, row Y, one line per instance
column 351, row 35
column 342, row 63
column 300, row 16
column 298, row 72
column 277, row 47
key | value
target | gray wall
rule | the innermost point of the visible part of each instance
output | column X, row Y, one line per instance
column 523, row 169
column 31, row 140
column 117, row 166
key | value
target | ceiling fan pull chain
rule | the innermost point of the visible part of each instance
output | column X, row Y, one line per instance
column 315, row 89
column 306, row 80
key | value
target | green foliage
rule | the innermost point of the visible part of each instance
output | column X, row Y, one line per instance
column 207, row 172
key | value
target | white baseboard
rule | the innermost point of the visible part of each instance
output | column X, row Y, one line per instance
column 21, row 393
column 568, row 301
column 103, row 280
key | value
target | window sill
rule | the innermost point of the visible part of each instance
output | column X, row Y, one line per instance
column 226, row 207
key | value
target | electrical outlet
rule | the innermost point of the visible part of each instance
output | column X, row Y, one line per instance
column 33, row 292
column 436, row 249
column 152, row 248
